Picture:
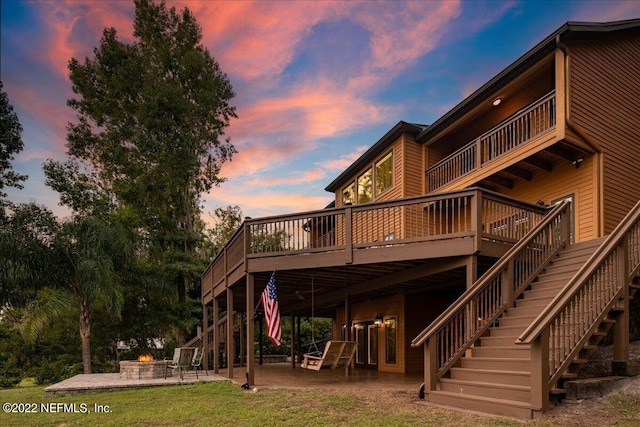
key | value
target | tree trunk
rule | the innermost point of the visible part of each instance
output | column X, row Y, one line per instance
column 85, row 336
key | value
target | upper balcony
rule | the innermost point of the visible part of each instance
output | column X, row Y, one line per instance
column 523, row 127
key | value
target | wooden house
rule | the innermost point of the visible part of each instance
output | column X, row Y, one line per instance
column 490, row 251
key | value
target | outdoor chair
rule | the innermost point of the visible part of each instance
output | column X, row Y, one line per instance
column 337, row 354
column 182, row 358
column 196, row 362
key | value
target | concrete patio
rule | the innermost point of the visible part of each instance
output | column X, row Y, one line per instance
column 84, row 383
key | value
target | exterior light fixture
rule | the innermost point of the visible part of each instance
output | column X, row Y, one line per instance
column 378, row 320
column 497, row 101
column 577, row 162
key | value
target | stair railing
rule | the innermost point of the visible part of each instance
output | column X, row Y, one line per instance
column 565, row 326
column 449, row 336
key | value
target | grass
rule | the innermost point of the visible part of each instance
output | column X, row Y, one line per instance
column 225, row 404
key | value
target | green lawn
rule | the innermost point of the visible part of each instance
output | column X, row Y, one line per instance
column 225, row 404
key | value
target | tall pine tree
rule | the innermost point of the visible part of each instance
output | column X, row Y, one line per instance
column 151, row 119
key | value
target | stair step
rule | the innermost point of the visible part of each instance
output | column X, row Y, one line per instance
column 492, row 341
column 511, row 352
column 499, row 391
column 550, row 283
column 506, row 364
column 509, row 408
column 495, row 376
column 541, row 293
column 507, row 331
column 526, row 311
column 533, row 302
column 509, row 320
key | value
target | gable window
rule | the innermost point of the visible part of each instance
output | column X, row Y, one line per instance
column 365, row 187
column 349, row 194
column 384, row 173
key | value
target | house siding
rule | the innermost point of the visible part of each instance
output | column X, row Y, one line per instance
column 566, row 180
column 605, row 101
column 366, row 312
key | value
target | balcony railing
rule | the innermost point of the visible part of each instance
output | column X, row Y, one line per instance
column 535, row 120
column 464, row 214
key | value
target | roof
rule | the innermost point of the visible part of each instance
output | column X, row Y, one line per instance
column 422, row 133
column 374, row 151
column 570, row 30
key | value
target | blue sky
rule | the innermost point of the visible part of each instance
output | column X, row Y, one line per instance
column 317, row 83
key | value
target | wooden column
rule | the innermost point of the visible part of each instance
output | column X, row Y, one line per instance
column 347, row 322
column 540, row 372
column 216, row 336
column 293, row 340
column 250, row 330
column 230, row 340
column 621, row 327
column 205, row 336
column 260, row 341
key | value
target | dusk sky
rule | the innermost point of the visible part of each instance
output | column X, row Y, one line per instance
column 317, row 83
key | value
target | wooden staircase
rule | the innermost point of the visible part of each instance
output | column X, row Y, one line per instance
column 495, row 375
column 507, row 345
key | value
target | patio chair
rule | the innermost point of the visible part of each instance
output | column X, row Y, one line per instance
column 196, row 362
column 182, row 358
column 337, row 354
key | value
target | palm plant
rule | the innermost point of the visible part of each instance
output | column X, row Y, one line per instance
column 88, row 256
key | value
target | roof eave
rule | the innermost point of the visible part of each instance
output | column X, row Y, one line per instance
column 542, row 49
column 375, row 150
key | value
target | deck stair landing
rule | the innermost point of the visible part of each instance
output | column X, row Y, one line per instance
column 495, row 375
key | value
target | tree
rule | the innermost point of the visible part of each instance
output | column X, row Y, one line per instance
column 25, row 237
column 151, row 117
column 89, row 256
column 226, row 222
column 10, row 144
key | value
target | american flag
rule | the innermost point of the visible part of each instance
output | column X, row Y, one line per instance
column 272, row 311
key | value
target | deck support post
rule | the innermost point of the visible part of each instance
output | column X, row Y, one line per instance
column 250, row 346
column 347, row 322
column 216, row 336
column 230, row 340
column 293, row 340
column 205, row 336
column 540, row 372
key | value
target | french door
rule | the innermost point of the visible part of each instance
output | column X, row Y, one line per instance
column 366, row 335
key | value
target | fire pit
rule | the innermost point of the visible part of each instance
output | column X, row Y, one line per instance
column 143, row 368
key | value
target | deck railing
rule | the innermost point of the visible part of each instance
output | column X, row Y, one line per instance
column 536, row 119
column 461, row 325
column 465, row 213
column 560, row 332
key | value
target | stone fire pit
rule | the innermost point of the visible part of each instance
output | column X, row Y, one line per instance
column 136, row 370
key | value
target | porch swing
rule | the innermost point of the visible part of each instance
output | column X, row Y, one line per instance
column 336, row 354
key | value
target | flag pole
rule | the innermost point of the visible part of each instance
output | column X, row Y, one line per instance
column 260, row 299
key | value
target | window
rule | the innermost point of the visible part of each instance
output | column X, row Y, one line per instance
column 384, row 173
column 349, row 194
column 390, row 340
column 365, row 190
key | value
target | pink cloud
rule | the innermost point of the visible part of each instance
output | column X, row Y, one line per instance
column 265, row 203
column 294, row 178
column 74, row 27
column 344, row 161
